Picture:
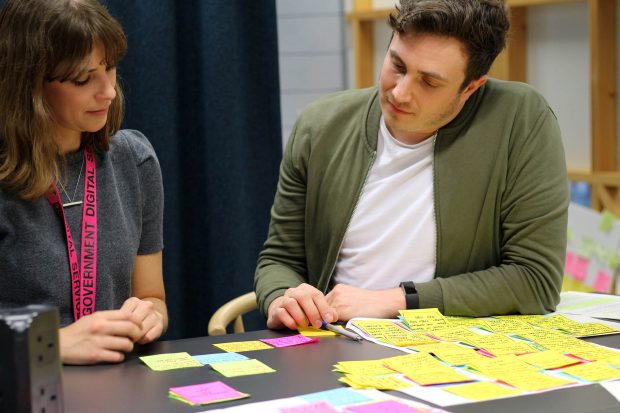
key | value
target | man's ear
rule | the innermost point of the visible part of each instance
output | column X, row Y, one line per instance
column 473, row 86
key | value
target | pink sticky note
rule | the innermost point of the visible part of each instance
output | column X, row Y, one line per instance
column 313, row 407
column 569, row 263
column 207, row 392
column 386, row 406
column 580, row 269
column 289, row 340
column 602, row 282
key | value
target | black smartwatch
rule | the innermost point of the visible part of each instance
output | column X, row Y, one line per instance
column 411, row 295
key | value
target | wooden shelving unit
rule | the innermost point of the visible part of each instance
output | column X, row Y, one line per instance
column 512, row 65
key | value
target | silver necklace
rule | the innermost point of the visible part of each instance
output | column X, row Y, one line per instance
column 72, row 201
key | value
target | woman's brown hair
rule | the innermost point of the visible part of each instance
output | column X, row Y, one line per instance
column 43, row 41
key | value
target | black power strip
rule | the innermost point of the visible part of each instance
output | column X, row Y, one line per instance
column 30, row 381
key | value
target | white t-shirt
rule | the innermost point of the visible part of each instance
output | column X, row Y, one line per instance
column 392, row 235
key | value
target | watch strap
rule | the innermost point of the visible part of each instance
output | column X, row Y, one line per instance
column 412, row 299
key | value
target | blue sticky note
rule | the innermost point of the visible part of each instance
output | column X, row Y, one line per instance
column 219, row 357
column 337, row 397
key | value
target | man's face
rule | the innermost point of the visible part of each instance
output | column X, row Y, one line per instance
column 420, row 85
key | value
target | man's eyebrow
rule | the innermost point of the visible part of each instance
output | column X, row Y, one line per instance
column 427, row 73
column 433, row 75
column 395, row 55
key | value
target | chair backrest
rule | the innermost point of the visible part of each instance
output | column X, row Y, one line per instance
column 232, row 311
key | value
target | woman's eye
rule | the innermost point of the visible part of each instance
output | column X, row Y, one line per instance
column 82, row 82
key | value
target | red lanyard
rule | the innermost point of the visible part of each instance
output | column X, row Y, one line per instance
column 84, row 281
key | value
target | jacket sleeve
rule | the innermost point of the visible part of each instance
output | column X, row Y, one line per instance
column 282, row 262
column 532, row 234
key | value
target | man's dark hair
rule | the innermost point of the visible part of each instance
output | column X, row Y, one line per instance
column 481, row 25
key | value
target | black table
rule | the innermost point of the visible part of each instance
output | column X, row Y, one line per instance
column 133, row 387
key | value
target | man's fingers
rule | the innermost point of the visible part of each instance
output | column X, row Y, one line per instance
column 285, row 318
column 307, row 305
column 292, row 306
column 328, row 314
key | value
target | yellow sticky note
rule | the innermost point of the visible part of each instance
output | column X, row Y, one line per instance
column 466, row 321
column 405, row 339
column 380, row 383
column 493, row 367
column 500, row 344
column 532, row 381
column 615, row 360
column 241, row 368
column 483, row 390
column 363, row 367
column 378, row 328
column 424, row 369
column 594, row 371
column 425, row 319
column 509, row 325
column 455, row 333
column 241, row 346
column 548, row 359
column 170, row 361
column 440, row 375
column 588, row 351
column 451, row 353
column 314, row 332
column 590, row 329
column 550, row 339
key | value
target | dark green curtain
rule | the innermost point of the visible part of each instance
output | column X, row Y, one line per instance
column 201, row 81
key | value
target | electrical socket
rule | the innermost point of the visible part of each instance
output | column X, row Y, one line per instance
column 30, row 360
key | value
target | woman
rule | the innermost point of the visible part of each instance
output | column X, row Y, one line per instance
column 81, row 203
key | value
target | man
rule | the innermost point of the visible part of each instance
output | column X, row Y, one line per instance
column 442, row 188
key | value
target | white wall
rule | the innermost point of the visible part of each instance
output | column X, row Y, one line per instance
column 311, row 52
column 559, row 66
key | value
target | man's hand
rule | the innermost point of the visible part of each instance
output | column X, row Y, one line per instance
column 152, row 320
column 303, row 305
column 352, row 302
column 104, row 336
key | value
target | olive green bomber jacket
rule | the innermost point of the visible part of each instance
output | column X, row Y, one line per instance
column 500, row 193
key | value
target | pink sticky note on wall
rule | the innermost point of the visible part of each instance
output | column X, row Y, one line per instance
column 580, row 268
column 602, row 283
column 569, row 263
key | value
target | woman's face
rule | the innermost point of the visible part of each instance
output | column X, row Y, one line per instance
column 81, row 105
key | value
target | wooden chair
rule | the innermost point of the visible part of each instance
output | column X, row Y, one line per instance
column 232, row 311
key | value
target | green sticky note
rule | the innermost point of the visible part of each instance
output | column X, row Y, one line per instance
column 607, row 221
column 586, row 247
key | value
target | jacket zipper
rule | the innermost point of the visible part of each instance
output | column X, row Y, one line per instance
column 357, row 199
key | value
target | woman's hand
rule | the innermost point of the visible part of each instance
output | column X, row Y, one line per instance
column 101, row 337
column 151, row 319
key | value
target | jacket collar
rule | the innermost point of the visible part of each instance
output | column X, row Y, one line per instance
column 373, row 116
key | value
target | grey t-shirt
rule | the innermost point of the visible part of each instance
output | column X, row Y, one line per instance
column 34, row 265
